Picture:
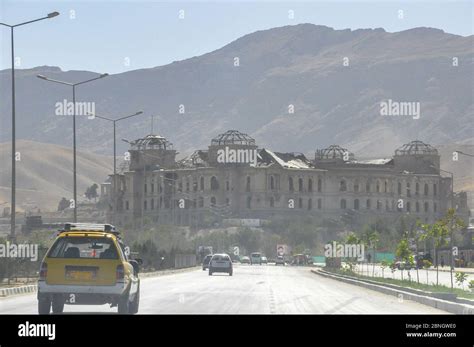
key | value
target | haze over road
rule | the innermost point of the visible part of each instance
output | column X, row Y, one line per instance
column 266, row 289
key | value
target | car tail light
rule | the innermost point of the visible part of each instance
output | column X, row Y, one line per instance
column 120, row 273
column 43, row 271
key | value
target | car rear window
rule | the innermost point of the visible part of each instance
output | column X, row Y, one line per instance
column 84, row 247
column 220, row 257
column 256, row 255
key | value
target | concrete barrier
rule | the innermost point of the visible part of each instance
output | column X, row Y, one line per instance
column 444, row 305
column 184, row 260
column 167, row 272
column 4, row 292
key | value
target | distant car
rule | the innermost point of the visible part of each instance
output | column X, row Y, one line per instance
column 205, row 262
column 299, row 259
column 264, row 260
column 245, row 260
column 255, row 258
column 220, row 263
column 280, row 260
column 400, row 265
column 420, row 259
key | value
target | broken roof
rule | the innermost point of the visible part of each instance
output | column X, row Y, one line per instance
column 199, row 158
column 286, row 160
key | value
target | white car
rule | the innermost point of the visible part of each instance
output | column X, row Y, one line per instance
column 220, row 263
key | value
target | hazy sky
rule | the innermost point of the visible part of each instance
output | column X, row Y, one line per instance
column 115, row 36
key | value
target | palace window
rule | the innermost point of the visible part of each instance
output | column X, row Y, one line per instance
column 300, row 184
column 342, row 186
column 214, row 183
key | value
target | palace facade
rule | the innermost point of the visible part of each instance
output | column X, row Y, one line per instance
column 233, row 178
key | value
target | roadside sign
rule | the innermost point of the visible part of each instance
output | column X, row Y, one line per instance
column 282, row 249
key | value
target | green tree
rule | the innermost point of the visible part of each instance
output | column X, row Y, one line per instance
column 63, row 204
column 370, row 239
column 461, row 277
column 91, row 192
column 403, row 253
column 438, row 232
column 248, row 239
column 352, row 239
column 471, row 285
column 427, row 264
column 453, row 224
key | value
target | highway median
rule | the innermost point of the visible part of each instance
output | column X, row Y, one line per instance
column 448, row 302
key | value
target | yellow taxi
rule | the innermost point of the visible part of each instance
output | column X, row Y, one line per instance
column 88, row 264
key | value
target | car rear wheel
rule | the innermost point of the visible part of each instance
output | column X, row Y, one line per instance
column 124, row 304
column 136, row 302
column 230, row 273
column 58, row 304
column 44, row 305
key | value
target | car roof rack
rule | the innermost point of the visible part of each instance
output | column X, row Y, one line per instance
column 108, row 228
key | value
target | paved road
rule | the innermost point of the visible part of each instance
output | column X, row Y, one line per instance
column 266, row 289
column 426, row 277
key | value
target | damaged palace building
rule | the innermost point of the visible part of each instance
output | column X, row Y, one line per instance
column 234, row 179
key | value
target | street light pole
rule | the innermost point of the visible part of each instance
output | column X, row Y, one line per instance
column 451, row 241
column 73, row 85
column 13, row 192
column 114, row 122
column 13, row 156
column 74, row 153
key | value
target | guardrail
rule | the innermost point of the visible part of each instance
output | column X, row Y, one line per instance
column 33, row 288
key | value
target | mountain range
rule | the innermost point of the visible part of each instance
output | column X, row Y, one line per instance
column 293, row 88
column 301, row 67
